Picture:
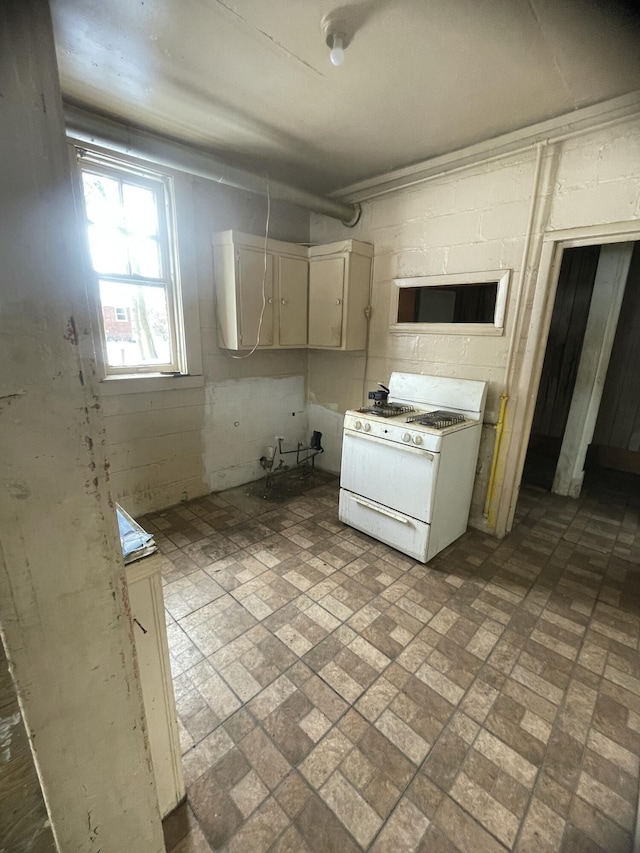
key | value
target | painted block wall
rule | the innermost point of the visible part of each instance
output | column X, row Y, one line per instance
column 244, row 416
column 336, row 383
column 472, row 220
column 164, row 446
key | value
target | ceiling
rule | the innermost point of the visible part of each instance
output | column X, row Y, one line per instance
column 251, row 81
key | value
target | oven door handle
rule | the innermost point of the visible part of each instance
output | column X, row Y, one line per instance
column 381, row 509
column 386, row 443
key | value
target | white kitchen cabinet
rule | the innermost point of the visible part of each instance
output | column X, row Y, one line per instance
column 339, row 287
column 293, row 273
column 255, row 272
column 314, row 297
column 243, row 283
column 150, row 635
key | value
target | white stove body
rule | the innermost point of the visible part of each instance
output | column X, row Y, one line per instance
column 407, row 484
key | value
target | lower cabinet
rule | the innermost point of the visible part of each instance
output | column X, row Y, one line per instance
column 150, row 633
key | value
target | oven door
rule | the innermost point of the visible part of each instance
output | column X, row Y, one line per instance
column 402, row 532
column 398, row 476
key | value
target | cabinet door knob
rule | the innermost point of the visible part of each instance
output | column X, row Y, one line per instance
column 270, row 301
column 338, row 301
column 284, row 301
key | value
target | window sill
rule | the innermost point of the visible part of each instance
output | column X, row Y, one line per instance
column 141, row 384
column 470, row 329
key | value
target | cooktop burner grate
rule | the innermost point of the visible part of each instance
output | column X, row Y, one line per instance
column 437, row 420
column 388, row 410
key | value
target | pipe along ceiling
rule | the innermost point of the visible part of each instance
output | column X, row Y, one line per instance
column 88, row 128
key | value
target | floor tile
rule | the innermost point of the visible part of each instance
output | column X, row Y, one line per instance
column 334, row 695
column 322, row 831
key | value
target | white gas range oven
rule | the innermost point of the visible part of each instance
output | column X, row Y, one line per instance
column 409, row 462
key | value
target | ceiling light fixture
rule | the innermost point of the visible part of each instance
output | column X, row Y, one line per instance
column 337, row 50
column 337, row 36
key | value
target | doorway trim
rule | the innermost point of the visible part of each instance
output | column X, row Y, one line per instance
column 529, row 369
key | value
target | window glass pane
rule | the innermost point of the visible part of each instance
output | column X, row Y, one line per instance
column 129, row 230
column 108, row 247
column 140, row 210
column 144, row 257
column 102, row 200
column 457, row 303
column 143, row 339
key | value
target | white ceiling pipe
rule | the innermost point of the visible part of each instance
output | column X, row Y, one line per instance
column 90, row 128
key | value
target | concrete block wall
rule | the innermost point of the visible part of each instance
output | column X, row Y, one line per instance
column 243, row 417
column 155, row 447
column 473, row 220
column 164, row 446
column 336, row 382
column 598, row 179
column 470, row 222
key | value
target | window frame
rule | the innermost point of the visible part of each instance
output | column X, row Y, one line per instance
column 161, row 186
column 500, row 277
column 182, row 242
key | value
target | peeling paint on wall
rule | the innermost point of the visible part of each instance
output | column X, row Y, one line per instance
column 71, row 333
column 7, row 724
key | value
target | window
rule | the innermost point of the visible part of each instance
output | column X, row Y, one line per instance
column 130, row 223
column 470, row 303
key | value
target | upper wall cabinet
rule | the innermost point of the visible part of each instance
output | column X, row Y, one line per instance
column 324, row 289
column 339, row 278
column 246, row 278
column 292, row 277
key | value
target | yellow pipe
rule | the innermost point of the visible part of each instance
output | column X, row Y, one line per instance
column 496, row 448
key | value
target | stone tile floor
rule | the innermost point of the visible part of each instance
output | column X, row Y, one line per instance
column 335, row 696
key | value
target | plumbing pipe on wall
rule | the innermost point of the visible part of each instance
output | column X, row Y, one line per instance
column 83, row 126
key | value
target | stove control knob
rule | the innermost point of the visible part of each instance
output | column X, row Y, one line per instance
column 417, row 439
column 358, row 424
column 406, row 437
column 367, row 427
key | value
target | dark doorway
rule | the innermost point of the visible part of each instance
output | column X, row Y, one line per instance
column 616, row 438
column 560, row 367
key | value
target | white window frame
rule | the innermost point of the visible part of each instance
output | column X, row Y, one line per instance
column 184, row 284
column 500, row 277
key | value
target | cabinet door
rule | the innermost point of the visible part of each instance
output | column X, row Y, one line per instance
column 251, row 275
column 326, row 294
column 150, row 636
column 292, row 275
